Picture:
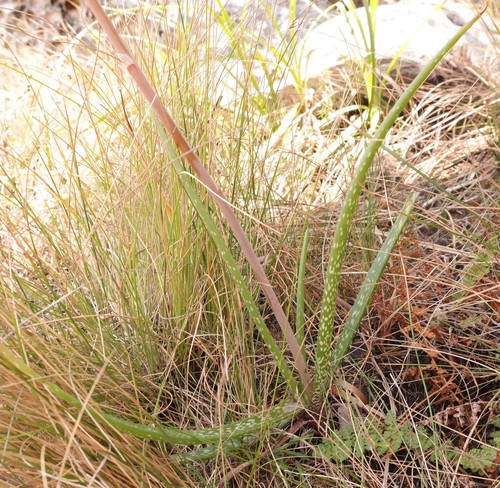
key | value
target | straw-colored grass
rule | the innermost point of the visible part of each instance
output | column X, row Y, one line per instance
column 121, row 312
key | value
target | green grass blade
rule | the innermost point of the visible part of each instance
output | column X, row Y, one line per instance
column 204, row 214
column 228, row 26
column 299, row 310
column 368, row 287
column 341, row 235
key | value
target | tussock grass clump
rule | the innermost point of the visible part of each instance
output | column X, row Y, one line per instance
column 140, row 343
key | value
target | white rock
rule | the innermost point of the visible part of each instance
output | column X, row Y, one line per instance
column 414, row 31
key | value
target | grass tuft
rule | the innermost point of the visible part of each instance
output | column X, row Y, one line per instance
column 168, row 299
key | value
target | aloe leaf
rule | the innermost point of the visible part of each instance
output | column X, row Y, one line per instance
column 207, row 453
column 349, row 205
column 368, row 287
column 170, row 435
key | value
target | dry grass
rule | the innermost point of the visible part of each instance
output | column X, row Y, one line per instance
column 109, row 297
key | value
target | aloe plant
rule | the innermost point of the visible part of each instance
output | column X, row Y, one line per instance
column 306, row 391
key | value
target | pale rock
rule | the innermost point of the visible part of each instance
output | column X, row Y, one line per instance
column 414, row 31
